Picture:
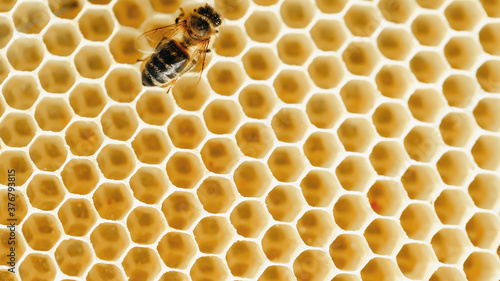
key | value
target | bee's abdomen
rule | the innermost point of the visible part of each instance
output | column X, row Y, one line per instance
column 165, row 64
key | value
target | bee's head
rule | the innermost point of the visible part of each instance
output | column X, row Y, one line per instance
column 210, row 13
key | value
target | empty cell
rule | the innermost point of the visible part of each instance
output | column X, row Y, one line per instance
column 326, row 71
column 276, row 272
column 148, row 184
column 5, row 6
column 45, row 192
column 17, row 129
column 154, row 107
column 77, row 216
column 384, row 236
column 422, row 143
column 484, row 190
column 362, row 20
column 96, row 24
column 244, row 258
column 19, row 204
column 461, row 52
column 429, row 29
column 284, row 202
column 491, row 7
column 351, row 212
column 321, row 149
column 420, row 182
column 37, row 266
column 213, row 234
column 388, row 158
column 463, row 14
column 122, row 84
column 129, row 13
column 141, row 263
column 483, row 230
column 122, row 45
column 280, row 243
column 208, row 268
column 4, row 273
column 216, row 194
column 262, row 26
column 291, row 86
column 386, row 197
column 328, row 35
column 257, row 100
column 30, row 17
column 145, row 224
column 297, row 13
column 286, row 163
column 265, row 2
column 109, row 240
column 84, row 138
column 346, row 277
column 87, row 99
column 151, row 146
column 119, row 122
column 289, row 124
column 249, row 218
column 174, row 275
column 381, row 269
column 222, row 116
column 487, row 76
column 487, row 114
column 312, row 265
column 430, row 4
column 112, row 200
column 349, row 251
column 486, row 152
column 41, row 231
column 184, row 169
column 450, row 245
column 394, row 43
column 254, row 139
column 260, row 63
column 232, row 10
column 315, row 227
column 188, row 97
column 415, row 260
column 105, row 271
column 453, row 206
column 186, row 131
column 444, row 273
column 18, row 161
column 48, row 152
column 116, row 161
column 92, row 62
column 61, row 39
column 181, row 209
column 354, row 173
column 489, row 37
column 294, row 48
column 393, row 81
column 454, row 167
column 230, row 41
column 7, row 30
column 80, row 176
column 219, row 155
column 426, row 104
column 176, row 249
column 319, row 187
column 225, row 77
column 24, row 54
column 418, row 220
column 481, row 266
column 57, row 76
column 390, row 119
column 20, row 91
column 356, row 134
column 163, row 6
column 323, row 110
column 360, row 58
column 4, row 70
column 358, row 96
column 396, row 11
column 252, row 178
column 67, row 9
column 53, row 114
column 331, row 6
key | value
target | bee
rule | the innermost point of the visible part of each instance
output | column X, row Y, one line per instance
column 173, row 57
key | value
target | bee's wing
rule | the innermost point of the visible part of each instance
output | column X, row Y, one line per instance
column 198, row 61
column 150, row 39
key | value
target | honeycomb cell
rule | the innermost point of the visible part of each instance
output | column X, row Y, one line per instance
column 232, row 10
column 20, row 91
column 257, row 100
column 463, row 15
column 486, row 114
column 328, row 35
column 148, row 184
column 323, row 110
column 351, row 212
column 345, row 277
column 184, row 169
column 252, row 178
column 244, row 259
column 208, row 268
column 284, row 202
column 315, row 227
column 296, row 13
column 486, row 152
column 362, row 20
column 67, row 9
column 30, row 17
column 176, row 249
column 48, row 152
column 426, row 104
column 122, row 84
column 427, row 66
column 188, row 97
column 9, row 239
column 84, row 138
column 356, row 134
column 18, row 161
column 349, row 251
column 312, row 265
column 321, row 149
column 216, row 194
column 92, row 61
column 122, row 45
column 219, row 155
column 388, row 158
column 112, row 200
column 225, row 77
column 19, row 204
column 87, row 99
column 119, row 122
column 286, row 163
column 450, row 245
column 481, row 266
column 151, row 146
column 380, row 269
column 222, row 116
column 280, row 243
column 230, row 41
column 53, row 114
column 56, row 76
column 289, row 124
column 318, row 188
column 331, row 6
column 461, row 52
column 25, row 54
column 161, row 6
column 415, row 260
column 45, row 192
column 354, row 173
column 484, row 191
column 360, row 58
column 141, row 263
column 186, row 131
column 358, row 96
column 291, row 85
column 394, row 43
column 276, row 273
column 37, row 266
column 326, row 71
column 129, row 13
column 116, row 161
column 294, row 48
column 7, row 31
column 145, row 224
column 483, row 230
column 61, row 39
column 386, row 197
column 422, row 143
column 109, row 240
column 487, row 76
column 5, row 6
column 445, row 273
column 390, row 119
column 213, row 234
column 393, row 81
column 105, row 271
column 489, row 37
column 384, row 236
column 418, row 220
column 77, row 216
column 181, row 209
column 17, row 129
column 154, row 107
column 420, row 182
column 4, row 70
column 454, row 167
column 254, row 139
column 96, row 24
column 260, row 62
column 41, row 231
column 249, row 218
column 174, row 275
column 452, row 206
column 396, row 11
column 428, row 29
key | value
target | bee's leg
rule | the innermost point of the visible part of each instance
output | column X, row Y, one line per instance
column 169, row 85
column 180, row 16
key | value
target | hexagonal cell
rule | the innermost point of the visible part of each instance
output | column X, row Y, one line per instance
column 354, row 173
column 393, row 81
column 486, row 114
column 186, row 131
column 484, row 191
column 415, row 260
column 123, row 84
column 92, row 61
column 129, row 13
column 463, row 15
column 84, row 138
column 450, row 245
column 289, row 124
column 212, row 234
column 105, row 271
column 362, row 20
column 41, row 231
column 216, row 194
column 257, row 100
column 45, row 192
column 122, row 45
column 445, row 273
column 260, row 63
column 328, row 35
column 481, row 266
column 249, row 218
column 30, row 17
column 48, row 152
column 230, row 41
column 312, row 265
column 356, row 134
column 61, row 39
column 386, row 197
column 148, row 184
column 17, row 129
column 184, row 169
column 276, row 273
column 280, row 243
column 219, row 155
column 25, row 54
column 77, row 216
column 284, row 202
column 232, row 10
column 254, row 139
column 396, row 11
column 326, row 71
column 489, row 37
column 429, row 29
column 53, row 114
column 5, row 6
column 141, row 263
column 483, row 230
column 390, row 119
column 294, row 48
column 109, row 240
column 426, row 104
column 87, row 99
column 381, row 269
column 176, row 249
column 67, row 9
column 208, row 268
column 286, row 163
column 225, row 77
column 452, row 206
column 244, row 258
column 351, row 211
column 323, row 110
column 321, row 149
column 384, row 236
column 360, row 58
column 346, row 277
column 12, row 246
column 112, row 200
column 388, row 158
column 349, row 251
column 56, row 76
column 154, row 107
column 80, row 176
column 37, row 266
column 188, row 97
column 418, row 220
column 116, row 161
column 18, row 161
column 252, row 178
column 420, row 182
column 151, row 146
column 19, row 205
column 422, row 143
column 96, row 24
column 20, row 91
column 222, row 116
column 315, row 227
column 461, row 52
column 145, row 224
column 394, row 43
column 291, row 86
column 181, row 209
column 163, row 6
column 319, row 187
column 486, row 152
column 427, row 66
column 454, row 167
column 296, row 13
column 174, row 275
column 487, row 75
column 358, row 96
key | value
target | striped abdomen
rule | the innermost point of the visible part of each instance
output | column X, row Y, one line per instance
column 165, row 64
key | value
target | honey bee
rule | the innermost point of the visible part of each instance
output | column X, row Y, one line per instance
column 173, row 57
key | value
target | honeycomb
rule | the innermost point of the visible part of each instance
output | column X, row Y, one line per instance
column 327, row 140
